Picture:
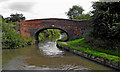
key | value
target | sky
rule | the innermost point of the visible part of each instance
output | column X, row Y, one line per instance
column 38, row 9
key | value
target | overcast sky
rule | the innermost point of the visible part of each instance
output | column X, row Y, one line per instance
column 37, row 9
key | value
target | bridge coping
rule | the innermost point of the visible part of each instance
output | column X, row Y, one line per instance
column 56, row 19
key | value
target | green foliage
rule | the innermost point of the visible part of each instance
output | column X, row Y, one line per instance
column 82, row 16
column 0, row 31
column 113, row 45
column 52, row 32
column 10, row 39
column 105, row 23
column 105, row 20
column 14, row 23
column 82, row 43
column 74, row 11
column 62, row 39
column 49, row 33
column 41, row 36
column 15, row 18
column 104, row 55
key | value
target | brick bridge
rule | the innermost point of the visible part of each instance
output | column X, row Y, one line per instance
column 73, row 28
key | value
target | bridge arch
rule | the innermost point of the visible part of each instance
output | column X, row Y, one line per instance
column 74, row 28
column 36, row 36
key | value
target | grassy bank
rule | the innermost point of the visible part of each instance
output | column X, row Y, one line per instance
column 80, row 44
column 11, row 39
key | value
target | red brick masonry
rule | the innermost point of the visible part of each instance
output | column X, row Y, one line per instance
column 74, row 28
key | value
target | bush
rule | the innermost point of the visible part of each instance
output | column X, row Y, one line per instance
column 49, row 33
column 105, row 23
column 10, row 39
column 41, row 36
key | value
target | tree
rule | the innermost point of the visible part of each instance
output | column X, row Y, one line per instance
column 1, row 17
column 74, row 11
column 106, row 20
column 15, row 18
column 105, row 23
column 82, row 16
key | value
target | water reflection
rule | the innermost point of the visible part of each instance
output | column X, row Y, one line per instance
column 50, row 49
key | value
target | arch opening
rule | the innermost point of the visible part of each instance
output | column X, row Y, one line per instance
column 36, row 36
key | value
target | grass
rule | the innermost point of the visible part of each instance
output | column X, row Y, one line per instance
column 62, row 39
column 73, row 45
column 81, row 42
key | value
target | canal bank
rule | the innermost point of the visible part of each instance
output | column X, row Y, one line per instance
column 91, row 55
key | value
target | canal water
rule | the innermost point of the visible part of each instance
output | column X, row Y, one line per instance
column 46, row 56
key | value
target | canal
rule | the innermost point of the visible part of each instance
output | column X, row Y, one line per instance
column 46, row 56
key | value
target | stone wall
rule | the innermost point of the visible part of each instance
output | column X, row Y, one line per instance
column 103, row 61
